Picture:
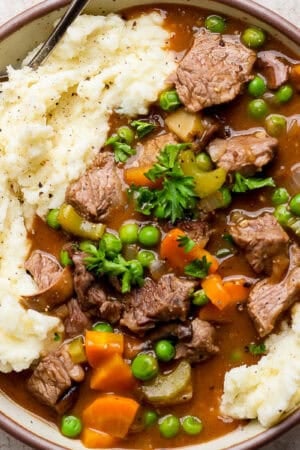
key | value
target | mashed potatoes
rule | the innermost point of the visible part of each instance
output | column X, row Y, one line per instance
column 269, row 389
column 52, row 123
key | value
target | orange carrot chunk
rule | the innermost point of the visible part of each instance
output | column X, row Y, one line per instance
column 97, row 439
column 237, row 290
column 113, row 374
column 100, row 345
column 111, row 414
column 136, row 176
column 215, row 291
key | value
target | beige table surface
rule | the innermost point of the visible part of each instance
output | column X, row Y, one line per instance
column 287, row 8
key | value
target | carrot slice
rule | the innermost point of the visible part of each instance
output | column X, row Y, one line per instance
column 177, row 257
column 214, row 289
column 136, row 176
column 97, row 439
column 111, row 414
column 100, row 345
column 237, row 290
column 112, row 374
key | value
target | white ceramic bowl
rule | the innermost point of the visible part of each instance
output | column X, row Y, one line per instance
column 22, row 34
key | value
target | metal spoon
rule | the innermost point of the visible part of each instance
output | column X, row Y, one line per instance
column 70, row 15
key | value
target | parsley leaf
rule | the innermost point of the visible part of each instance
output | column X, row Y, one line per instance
column 145, row 199
column 176, row 197
column 198, row 268
column 121, row 149
column 243, row 184
column 185, row 242
column 142, row 128
column 257, row 349
column 167, row 162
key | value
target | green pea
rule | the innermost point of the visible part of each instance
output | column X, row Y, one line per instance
column 149, row 418
column 215, row 24
column 111, row 243
column 257, row 108
column 149, row 236
column 280, row 196
column 192, row 425
column 257, row 87
column 103, row 327
column 71, row 426
column 52, row 219
column 88, row 247
column 65, row 258
column 144, row 366
column 200, row 298
column 126, row 134
column 169, row 100
column 204, row 162
column 253, row 37
column 169, row 426
column 283, row 215
column 145, row 257
column 128, row 233
column 284, row 94
column 295, row 205
column 226, row 196
column 164, row 350
column 275, row 124
column 160, row 212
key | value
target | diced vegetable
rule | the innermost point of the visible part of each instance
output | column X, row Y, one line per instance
column 258, row 109
column 142, row 127
column 128, row 232
column 149, row 418
column 136, row 176
column 65, row 259
column 126, row 134
column 73, row 223
column 170, row 389
column 204, row 162
column 199, row 298
column 144, row 366
column 169, row 100
column 295, row 205
column 169, row 426
column 280, row 196
column 76, row 350
column 52, row 219
column 275, row 124
column 71, row 426
column 103, row 326
column 111, row 414
column 164, row 350
column 97, row 439
column 113, row 374
column 257, row 87
column 177, row 257
column 149, row 236
column 146, row 257
column 215, row 24
column 206, row 183
column 192, row 425
column 223, row 294
column 185, row 124
column 284, row 94
column 100, row 345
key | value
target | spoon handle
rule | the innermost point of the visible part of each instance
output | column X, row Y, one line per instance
column 70, row 15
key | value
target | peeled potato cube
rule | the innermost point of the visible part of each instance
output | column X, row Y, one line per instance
column 185, row 124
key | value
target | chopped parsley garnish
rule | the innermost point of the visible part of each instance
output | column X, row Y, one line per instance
column 257, row 349
column 177, row 195
column 142, row 128
column 56, row 337
column 243, row 184
column 121, row 149
column 198, row 268
column 228, row 238
column 102, row 262
column 185, row 242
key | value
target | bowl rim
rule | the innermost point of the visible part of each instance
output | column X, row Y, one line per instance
column 250, row 7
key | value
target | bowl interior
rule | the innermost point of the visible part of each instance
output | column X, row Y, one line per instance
column 20, row 36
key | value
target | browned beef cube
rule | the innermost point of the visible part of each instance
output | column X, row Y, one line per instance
column 197, row 230
column 76, row 322
column 244, row 153
column 44, row 268
column 162, row 301
column 213, row 70
column 150, row 148
column 268, row 300
column 98, row 192
column 263, row 240
column 273, row 68
column 53, row 376
column 201, row 346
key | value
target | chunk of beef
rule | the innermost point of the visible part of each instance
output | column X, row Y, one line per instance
column 53, row 376
column 273, row 68
column 198, row 230
column 44, row 268
column 268, row 300
column 263, row 240
column 150, row 148
column 162, row 301
column 76, row 321
column 244, row 153
column 98, row 192
column 211, row 128
column 201, row 345
column 174, row 329
column 83, row 279
column 213, row 70
column 108, row 309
